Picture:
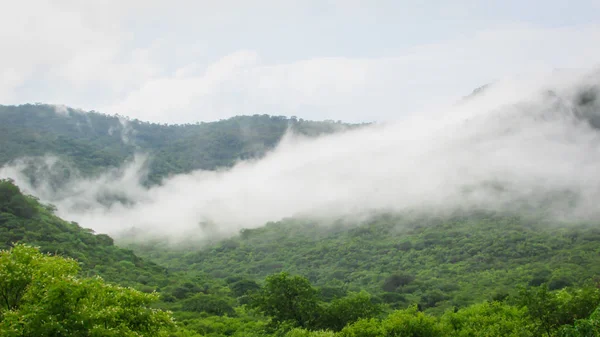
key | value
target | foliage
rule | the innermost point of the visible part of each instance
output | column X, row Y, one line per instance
column 411, row 323
column 297, row 332
column 288, row 298
column 91, row 142
column 437, row 263
column 42, row 297
column 402, row 323
column 209, row 303
column 96, row 254
column 13, row 201
column 42, row 294
column 487, row 319
column 549, row 311
column 343, row 311
column 364, row 328
column 585, row 327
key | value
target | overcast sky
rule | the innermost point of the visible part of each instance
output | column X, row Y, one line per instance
column 184, row 61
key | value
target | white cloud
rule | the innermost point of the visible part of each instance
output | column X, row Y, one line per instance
column 360, row 89
column 151, row 59
column 48, row 46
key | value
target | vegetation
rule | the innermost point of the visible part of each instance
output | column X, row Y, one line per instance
column 91, row 142
column 437, row 287
column 476, row 274
column 401, row 260
column 24, row 219
column 41, row 296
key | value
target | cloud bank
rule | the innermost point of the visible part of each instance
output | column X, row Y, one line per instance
column 531, row 143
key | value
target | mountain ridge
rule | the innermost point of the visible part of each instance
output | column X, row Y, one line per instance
column 92, row 142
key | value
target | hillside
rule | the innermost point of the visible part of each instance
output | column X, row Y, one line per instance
column 419, row 264
column 24, row 219
column 91, row 141
column 436, row 262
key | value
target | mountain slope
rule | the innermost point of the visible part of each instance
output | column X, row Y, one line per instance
column 91, row 141
column 23, row 219
column 215, row 309
column 435, row 262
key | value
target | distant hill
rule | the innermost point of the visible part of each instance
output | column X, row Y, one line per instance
column 91, row 141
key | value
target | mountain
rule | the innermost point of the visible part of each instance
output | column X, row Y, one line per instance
column 92, row 142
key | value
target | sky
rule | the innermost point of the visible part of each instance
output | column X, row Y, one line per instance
column 185, row 61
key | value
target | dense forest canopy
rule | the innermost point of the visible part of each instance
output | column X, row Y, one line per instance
column 42, row 296
column 92, row 142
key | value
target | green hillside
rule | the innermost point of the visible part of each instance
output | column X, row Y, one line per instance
column 24, row 219
column 437, row 263
column 91, row 141
column 44, row 296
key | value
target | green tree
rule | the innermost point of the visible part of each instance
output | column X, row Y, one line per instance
column 488, row 319
column 412, row 323
column 7, row 190
column 209, row 303
column 550, row 310
column 343, row 311
column 243, row 287
column 287, row 298
column 42, row 296
column 589, row 327
column 397, row 280
column 364, row 328
column 13, row 201
column 297, row 332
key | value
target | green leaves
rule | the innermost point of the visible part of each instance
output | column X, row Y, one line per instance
column 411, row 323
column 487, row 319
column 292, row 300
column 549, row 311
column 24, row 219
column 401, row 323
column 449, row 262
column 42, row 297
column 23, row 268
column 210, row 303
column 13, row 201
column 288, row 298
column 343, row 311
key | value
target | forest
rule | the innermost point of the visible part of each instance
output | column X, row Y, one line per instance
column 91, row 142
column 478, row 273
column 61, row 279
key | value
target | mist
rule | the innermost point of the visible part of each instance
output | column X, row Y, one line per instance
column 521, row 145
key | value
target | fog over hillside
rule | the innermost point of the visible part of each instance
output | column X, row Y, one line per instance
column 527, row 144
